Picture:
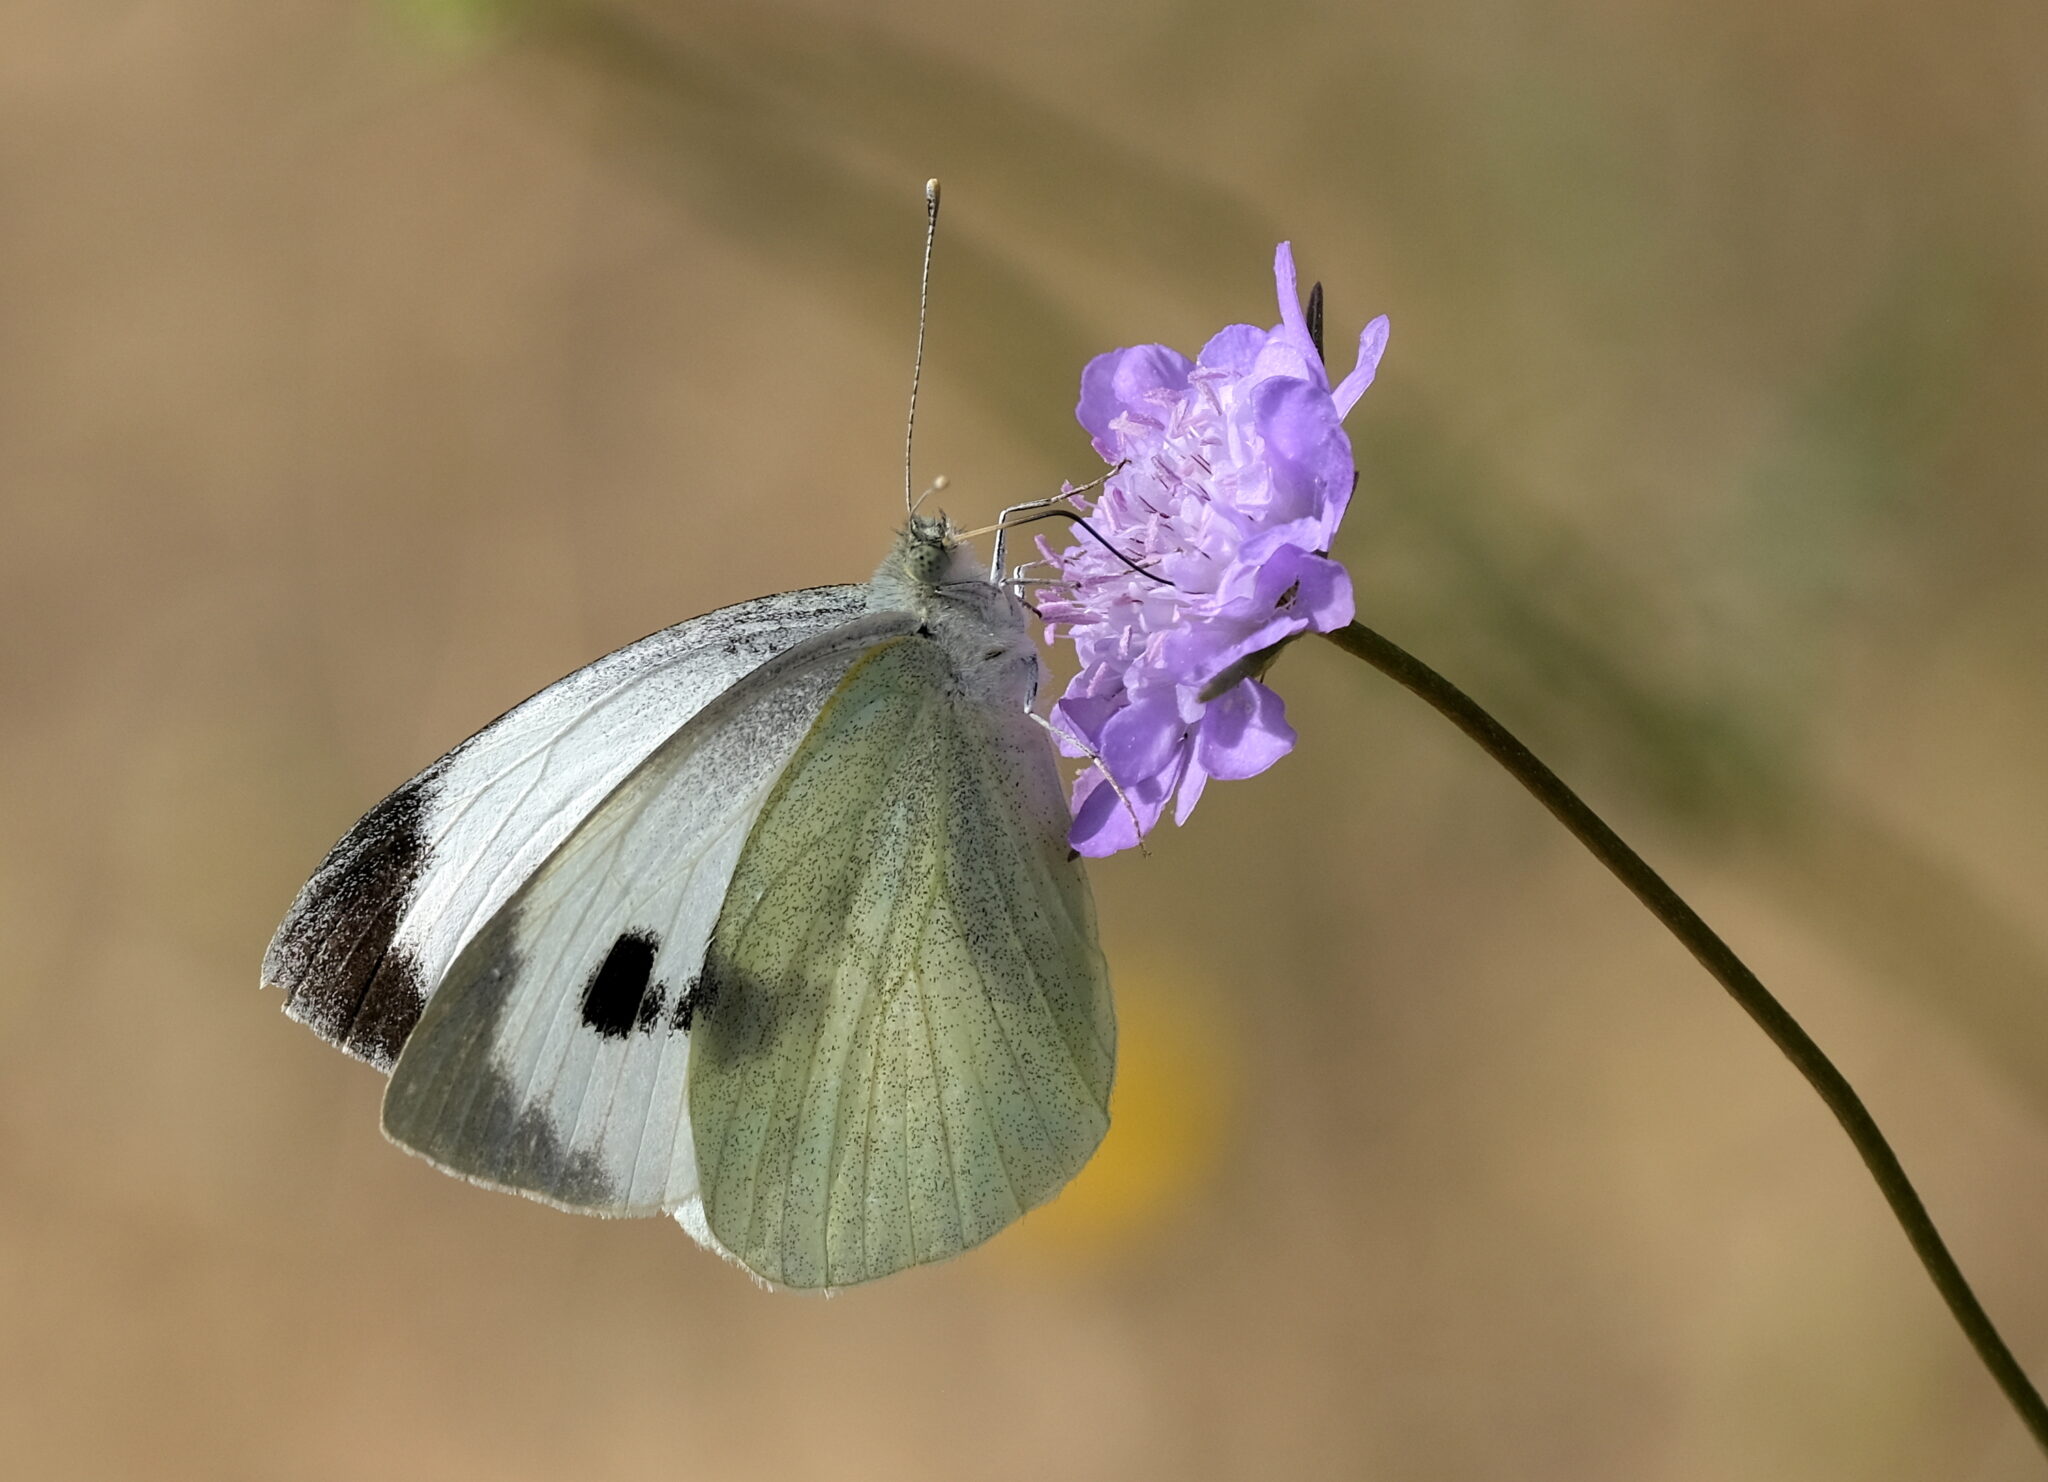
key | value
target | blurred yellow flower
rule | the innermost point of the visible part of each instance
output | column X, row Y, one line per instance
column 1175, row 1086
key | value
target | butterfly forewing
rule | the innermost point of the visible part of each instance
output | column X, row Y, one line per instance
column 552, row 1058
column 908, row 1040
column 368, row 939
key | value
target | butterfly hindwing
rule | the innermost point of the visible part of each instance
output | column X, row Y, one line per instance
column 552, row 1058
column 908, row 1040
column 367, row 941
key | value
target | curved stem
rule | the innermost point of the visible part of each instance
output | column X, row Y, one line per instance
column 1742, row 985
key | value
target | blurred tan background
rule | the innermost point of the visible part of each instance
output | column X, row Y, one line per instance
column 364, row 367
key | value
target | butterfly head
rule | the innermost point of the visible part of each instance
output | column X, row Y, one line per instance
column 928, row 554
column 927, row 548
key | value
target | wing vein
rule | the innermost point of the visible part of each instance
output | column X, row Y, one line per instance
column 877, row 999
column 924, row 1013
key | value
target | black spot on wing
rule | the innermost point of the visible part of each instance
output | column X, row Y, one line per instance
column 334, row 957
column 621, row 995
column 695, row 999
column 650, row 1008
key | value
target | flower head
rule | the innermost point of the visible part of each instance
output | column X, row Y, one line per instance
column 1231, row 474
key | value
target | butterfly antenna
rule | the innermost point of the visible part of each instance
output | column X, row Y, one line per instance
column 924, row 287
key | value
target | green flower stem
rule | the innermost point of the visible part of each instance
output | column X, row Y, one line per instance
column 1742, row 985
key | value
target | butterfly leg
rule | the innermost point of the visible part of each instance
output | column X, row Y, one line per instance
column 1107, row 776
column 1020, row 578
column 1003, row 521
column 1002, row 529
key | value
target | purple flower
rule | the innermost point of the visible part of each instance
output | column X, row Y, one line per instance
column 1232, row 474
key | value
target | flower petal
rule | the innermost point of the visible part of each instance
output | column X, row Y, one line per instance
column 1288, row 289
column 1124, row 382
column 1102, row 824
column 1078, row 721
column 1233, row 349
column 1304, row 585
column 1139, row 741
column 1243, row 732
column 1189, row 793
column 1306, row 449
column 1323, row 594
column 1372, row 344
column 1106, row 820
column 1290, row 350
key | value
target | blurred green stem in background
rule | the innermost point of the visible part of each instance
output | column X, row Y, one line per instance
column 460, row 25
column 1743, row 986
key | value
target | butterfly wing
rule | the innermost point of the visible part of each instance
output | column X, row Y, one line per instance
column 551, row 1059
column 372, row 933
column 909, row 1039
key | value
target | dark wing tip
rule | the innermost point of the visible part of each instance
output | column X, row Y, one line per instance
column 334, row 956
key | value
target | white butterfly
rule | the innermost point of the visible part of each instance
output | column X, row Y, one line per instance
column 767, row 921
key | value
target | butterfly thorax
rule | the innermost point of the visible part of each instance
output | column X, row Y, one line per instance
column 984, row 629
